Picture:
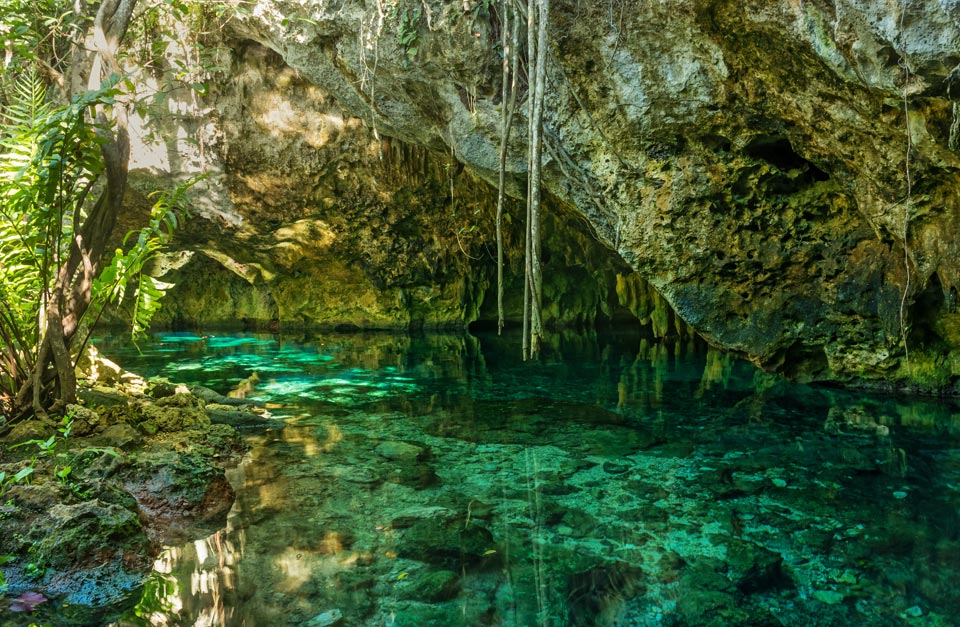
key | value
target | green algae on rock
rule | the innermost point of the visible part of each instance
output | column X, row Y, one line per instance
column 137, row 472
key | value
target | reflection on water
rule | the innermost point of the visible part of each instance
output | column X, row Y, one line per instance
column 438, row 480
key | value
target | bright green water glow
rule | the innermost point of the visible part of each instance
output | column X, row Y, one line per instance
column 441, row 481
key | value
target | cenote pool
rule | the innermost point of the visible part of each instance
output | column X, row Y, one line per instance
column 437, row 480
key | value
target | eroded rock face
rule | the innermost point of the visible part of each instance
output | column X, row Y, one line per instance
column 329, row 227
column 783, row 173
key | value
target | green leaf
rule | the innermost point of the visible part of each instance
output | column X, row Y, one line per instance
column 23, row 474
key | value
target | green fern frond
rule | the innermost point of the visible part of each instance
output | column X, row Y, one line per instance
column 28, row 103
column 146, row 304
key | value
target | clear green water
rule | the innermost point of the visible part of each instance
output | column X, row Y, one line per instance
column 439, row 481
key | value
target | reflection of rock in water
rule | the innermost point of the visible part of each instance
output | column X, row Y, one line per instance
column 246, row 387
column 595, row 597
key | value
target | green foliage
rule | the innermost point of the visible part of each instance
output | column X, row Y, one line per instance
column 123, row 280
column 52, row 449
column 482, row 8
column 5, row 481
column 52, row 179
column 158, row 590
column 49, row 164
column 407, row 17
column 36, row 30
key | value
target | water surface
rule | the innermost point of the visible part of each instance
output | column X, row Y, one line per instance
column 440, row 481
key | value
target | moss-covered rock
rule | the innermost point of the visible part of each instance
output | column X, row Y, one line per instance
column 87, row 528
column 179, row 495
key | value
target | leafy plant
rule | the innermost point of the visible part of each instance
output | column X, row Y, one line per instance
column 124, row 279
column 482, row 8
column 408, row 17
column 19, row 476
column 54, row 449
column 57, row 214
column 63, row 170
column 51, row 448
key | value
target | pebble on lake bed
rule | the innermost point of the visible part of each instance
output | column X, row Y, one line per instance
column 914, row 612
column 330, row 617
column 830, row 597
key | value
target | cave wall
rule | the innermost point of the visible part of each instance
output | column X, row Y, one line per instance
column 783, row 173
column 327, row 226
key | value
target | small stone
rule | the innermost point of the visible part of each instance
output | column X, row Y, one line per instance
column 330, row 617
column 29, row 430
column 433, row 587
column 848, row 576
column 615, row 468
column 780, row 483
column 411, row 515
column 899, row 494
column 121, row 436
column 914, row 612
column 830, row 597
column 399, row 451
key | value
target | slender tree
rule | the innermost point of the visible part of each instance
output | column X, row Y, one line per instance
column 63, row 173
column 53, row 384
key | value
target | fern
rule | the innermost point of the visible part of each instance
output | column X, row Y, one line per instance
column 124, row 279
column 49, row 160
column 150, row 291
column 22, row 237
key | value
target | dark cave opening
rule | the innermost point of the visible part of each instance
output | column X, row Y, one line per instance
column 779, row 152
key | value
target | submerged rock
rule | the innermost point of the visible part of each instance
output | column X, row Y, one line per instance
column 399, row 451
column 241, row 419
column 431, row 587
column 325, row 619
column 754, row 568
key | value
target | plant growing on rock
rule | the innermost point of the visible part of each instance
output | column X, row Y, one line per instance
column 408, row 29
column 52, row 449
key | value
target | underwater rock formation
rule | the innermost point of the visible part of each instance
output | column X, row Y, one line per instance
column 783, row 174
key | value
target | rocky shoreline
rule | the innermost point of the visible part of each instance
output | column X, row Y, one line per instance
column 85, row 509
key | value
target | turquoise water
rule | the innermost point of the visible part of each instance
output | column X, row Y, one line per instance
column 440, row 481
